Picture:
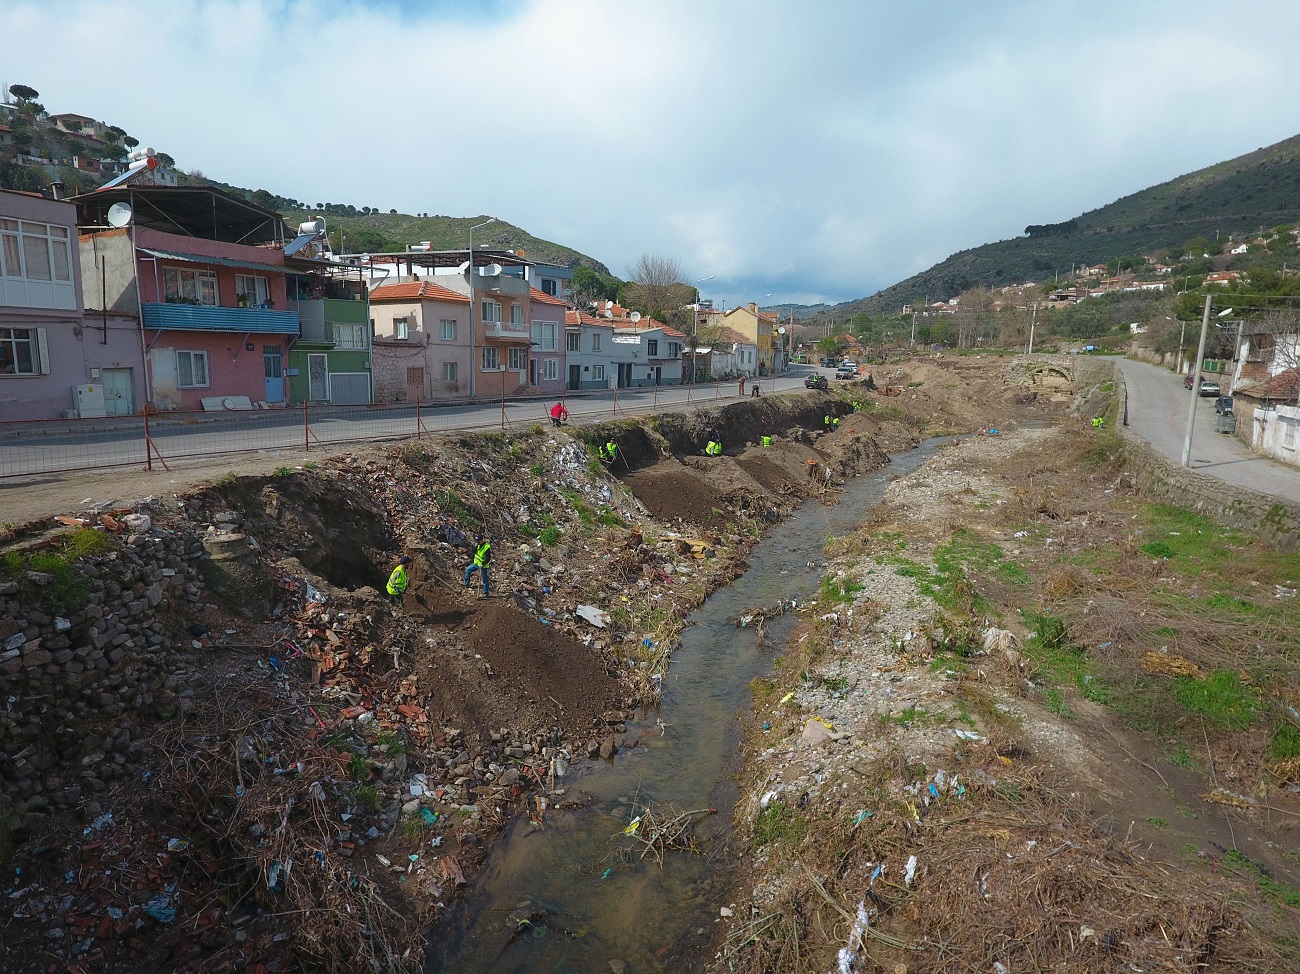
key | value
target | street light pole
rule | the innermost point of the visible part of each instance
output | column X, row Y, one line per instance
column 469, row 277
column 695, row 328
column 1196, row 391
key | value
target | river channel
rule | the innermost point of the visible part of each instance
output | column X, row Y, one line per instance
column 585, row 911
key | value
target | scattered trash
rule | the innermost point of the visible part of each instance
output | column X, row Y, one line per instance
column 725, row 911
column 595, row 616
column 177, row 845
column 967, row 735
column 861, row 816
column 911, row 870
column 160, row 908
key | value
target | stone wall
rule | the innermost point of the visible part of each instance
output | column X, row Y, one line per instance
column 77, row 683
column 1277, row 521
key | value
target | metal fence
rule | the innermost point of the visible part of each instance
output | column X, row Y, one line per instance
column 29, row 447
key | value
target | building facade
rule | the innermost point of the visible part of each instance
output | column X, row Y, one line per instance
column 421, row 342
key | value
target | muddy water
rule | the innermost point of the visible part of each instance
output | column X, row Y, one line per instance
column 585, row 907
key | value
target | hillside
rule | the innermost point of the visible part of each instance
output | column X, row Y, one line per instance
column 370, row 232
column 1233, row 198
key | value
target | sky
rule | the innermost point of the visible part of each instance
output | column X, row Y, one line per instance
column 799, row 151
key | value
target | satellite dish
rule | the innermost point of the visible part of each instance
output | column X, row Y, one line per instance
column 119, row 215
column 492, row 270
column 462, row 267
column 636, row 316
column 609, row 313
column 781, row 330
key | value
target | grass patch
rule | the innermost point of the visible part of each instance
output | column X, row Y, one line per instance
column 1236, row 863
column 549, row 535
column 450, row 503
column 1220, row 698
column 1285, row 743
column 839, row 590
column 779, row 824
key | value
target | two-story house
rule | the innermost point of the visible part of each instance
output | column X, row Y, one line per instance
column 330, row 360
column 203, row 274
column 421, row 342
column 47, row 350
column 546, row 366
column 655, row 350
column 589, row 351
column 757, row 328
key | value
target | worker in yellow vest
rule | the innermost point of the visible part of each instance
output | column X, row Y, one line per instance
column 398, row 581
column 481, row 563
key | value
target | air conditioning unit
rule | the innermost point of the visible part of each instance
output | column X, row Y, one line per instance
column 89, row 400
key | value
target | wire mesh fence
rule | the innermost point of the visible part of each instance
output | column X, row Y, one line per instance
column 30, row 447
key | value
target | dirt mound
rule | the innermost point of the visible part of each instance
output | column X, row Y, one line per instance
column 672, row 492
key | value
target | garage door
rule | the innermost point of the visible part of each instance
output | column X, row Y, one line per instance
column 349, row 388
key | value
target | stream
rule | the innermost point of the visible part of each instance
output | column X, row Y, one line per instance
column 583, row 909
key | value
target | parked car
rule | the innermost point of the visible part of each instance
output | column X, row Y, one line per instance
column 1209, row 388
column 815, row 381
column 826, row 362
column 1188, row 379
column 1223, row 405
column 846, row 372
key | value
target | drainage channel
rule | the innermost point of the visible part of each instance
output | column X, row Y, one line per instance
column 558, row 899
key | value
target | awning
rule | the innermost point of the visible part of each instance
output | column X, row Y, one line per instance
column 248, row 265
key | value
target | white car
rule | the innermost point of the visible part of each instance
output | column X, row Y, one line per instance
column 847, row 370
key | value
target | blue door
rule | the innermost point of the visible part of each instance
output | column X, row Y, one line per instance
column 273, row 360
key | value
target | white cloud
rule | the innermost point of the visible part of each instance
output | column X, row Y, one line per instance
column 825, row 149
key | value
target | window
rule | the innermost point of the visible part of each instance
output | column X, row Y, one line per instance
column 544, row 334
column 184, row 286
column 402, row 327
column 491, row 359
column 448, row 371
column 23, row 352
column 595, row 341
column 518, row 359
column 192, row 369
column 652, row 347
column 251, row 291
column 573, row 341
column 598, row 373
column 674, row 350
column 550, row 286
column 350, row 336
column 550, row 369
column 516, row 314
column 447, row 329
column 1288, row 432
column 35, row 251
column 492, row 312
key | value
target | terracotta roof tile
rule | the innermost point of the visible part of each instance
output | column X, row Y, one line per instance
column 416, row 290
column 541, row 297
column 1281, row 387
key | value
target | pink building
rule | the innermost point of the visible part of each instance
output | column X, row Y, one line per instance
column 203, row 274
column 546, row 364
column 53, row 360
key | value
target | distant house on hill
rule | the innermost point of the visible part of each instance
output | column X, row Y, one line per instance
column 1239, row 249
column 1222, row 278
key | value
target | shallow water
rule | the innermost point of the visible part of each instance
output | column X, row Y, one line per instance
column 587, row 907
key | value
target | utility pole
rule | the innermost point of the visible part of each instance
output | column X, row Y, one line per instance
column 1196, row 392
column 1033, row 319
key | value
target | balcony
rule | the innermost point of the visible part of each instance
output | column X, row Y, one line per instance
column 506, row 331
column 195, row 317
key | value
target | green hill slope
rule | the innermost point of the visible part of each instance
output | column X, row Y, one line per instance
column 371, row 233
column 1237, row 197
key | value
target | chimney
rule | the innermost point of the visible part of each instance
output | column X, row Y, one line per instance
column 56, row 189
column 752, row 307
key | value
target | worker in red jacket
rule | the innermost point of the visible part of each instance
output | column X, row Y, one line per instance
column 559, row 414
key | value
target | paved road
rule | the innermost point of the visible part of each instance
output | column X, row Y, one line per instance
column 55, row 446
column 1157, row 412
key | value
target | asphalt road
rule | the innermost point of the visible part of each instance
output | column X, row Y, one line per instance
column 63, row 445
column 1157, row 412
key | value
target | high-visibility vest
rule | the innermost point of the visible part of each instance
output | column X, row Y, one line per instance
column 483, row 555
column 611, row 449
column 826, row 421
column 835, row 422
column 767, row 441
column 397, row 581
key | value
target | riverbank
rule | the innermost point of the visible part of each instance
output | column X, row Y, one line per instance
column 217, row 715
column 1033, row 722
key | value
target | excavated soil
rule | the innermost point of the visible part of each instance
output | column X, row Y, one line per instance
column 504, row 667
